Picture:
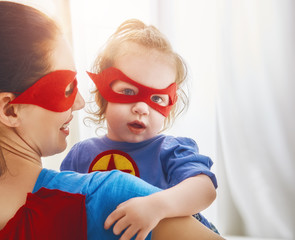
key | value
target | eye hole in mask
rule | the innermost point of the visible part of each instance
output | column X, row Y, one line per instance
column 55, row 91
column 71, row 88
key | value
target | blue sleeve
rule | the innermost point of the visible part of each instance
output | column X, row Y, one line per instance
column 104, row 191
column 181, row 159
column 104, row 198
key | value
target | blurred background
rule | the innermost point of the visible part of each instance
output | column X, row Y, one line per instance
column 241, row 57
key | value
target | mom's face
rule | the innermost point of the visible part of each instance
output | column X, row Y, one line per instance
column 43, row 130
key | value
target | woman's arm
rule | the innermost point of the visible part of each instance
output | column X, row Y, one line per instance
column 184, row 228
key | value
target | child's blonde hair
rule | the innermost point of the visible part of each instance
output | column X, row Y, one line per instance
column 135, row 31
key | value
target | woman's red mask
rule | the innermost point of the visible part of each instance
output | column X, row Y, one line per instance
column 49, row 92
column 104, row 80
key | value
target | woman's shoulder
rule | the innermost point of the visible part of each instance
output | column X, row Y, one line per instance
column 90, row 183
column 68, row 181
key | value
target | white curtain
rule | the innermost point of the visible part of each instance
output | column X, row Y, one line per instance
column 255, row 117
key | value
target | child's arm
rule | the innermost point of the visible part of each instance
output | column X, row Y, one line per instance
column 188, row 197
column 141, row 215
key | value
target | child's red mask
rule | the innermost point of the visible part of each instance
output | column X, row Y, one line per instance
column 104, row 80
column 49, row 92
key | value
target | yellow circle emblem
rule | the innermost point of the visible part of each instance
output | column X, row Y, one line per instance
column 114, row 159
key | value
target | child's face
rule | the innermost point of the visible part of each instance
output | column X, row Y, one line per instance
column 136, row 122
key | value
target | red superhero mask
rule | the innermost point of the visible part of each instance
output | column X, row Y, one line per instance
column 49, row 92
column 104, row 80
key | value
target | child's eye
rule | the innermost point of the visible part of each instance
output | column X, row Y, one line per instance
column 156, row 99
column 162, row 100
column 124, row 88
column 128, row 91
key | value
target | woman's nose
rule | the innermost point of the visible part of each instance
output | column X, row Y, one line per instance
column 79, row 102
column 140, row 108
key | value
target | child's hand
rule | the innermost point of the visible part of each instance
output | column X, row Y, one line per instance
column 136, row 216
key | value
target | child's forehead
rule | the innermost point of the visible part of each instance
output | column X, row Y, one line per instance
column 147, row 69
column 150, row 75
column 129, row 48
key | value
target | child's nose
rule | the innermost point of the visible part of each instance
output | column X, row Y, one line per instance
column 140, row 108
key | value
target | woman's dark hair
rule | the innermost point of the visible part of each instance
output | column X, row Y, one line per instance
column 26, row 35
column 26, row 40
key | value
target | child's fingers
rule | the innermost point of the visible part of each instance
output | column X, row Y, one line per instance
column 122, row 204
column 120, row 225
column 141, row 235
column 129, row 233
column 113, row 217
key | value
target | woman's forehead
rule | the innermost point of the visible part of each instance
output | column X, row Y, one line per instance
column 62, row 57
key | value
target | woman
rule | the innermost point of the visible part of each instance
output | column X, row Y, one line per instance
column 38, row 94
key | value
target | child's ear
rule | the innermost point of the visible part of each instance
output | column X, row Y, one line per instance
column 8, row 112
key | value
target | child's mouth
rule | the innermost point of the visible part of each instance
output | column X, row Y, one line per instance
column 136, row 127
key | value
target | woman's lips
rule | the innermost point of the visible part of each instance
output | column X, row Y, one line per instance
column 136, row 127
column 65, row 127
